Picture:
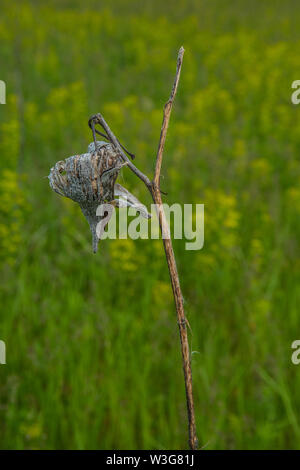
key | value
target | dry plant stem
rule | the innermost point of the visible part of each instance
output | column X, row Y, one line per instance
column 154, row 188
column 99, row 119
column 182, row 322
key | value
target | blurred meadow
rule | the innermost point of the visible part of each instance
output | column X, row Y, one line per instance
column 93, row 358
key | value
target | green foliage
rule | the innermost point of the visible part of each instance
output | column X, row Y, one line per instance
column 93, row 355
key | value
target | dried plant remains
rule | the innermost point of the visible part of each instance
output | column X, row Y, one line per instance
column 90, row 180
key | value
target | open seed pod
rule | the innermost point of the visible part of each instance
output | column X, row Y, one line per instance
column 89, row 179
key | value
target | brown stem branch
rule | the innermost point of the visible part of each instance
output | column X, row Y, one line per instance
column 99, row 119
column 154, row 188
column 166, row 118
column 182, row 322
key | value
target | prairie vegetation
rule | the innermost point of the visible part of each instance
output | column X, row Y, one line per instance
column 91, row 340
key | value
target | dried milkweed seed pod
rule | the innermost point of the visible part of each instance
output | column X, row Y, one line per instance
column 89, row 179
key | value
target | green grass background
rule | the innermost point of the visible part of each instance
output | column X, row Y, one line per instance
column 93, row 358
